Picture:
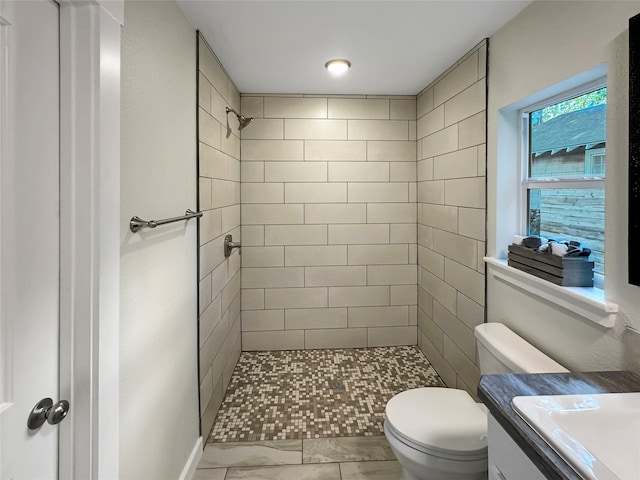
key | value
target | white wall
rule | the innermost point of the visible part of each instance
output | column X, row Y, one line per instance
column 553, row 43
column 158, row 311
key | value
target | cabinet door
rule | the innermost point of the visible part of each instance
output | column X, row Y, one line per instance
column 506, row 460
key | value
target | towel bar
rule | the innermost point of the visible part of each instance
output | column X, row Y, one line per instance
column 136, row 223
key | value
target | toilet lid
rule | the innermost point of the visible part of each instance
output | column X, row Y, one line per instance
column 443, row 420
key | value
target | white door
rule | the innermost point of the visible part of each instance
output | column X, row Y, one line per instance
column 29, row 235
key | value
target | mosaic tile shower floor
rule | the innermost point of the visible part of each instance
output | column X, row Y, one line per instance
column 302, row 394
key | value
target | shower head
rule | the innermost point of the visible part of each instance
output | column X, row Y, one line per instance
column 243, row 121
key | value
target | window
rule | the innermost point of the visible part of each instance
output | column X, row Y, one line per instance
column 594, row 162
column 564, row 146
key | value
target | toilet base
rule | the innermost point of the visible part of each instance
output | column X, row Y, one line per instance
column 407, row 475
column 420, row 466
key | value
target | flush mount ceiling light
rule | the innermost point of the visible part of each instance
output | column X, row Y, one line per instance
column 337, row 67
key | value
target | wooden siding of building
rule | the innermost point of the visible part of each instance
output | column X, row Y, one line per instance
column 584, row 224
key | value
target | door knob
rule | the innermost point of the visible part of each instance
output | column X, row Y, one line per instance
column 46, row 410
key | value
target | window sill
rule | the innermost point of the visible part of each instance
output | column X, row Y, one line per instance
column 587, row 302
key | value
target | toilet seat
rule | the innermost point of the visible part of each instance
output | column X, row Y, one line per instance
column 442, row 422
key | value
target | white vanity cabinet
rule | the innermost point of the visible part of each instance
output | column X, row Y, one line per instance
column 506, row 460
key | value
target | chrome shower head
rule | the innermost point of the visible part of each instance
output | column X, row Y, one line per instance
column 243, row 121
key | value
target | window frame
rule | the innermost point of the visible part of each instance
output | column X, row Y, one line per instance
column 575, row 182
column 588, row 159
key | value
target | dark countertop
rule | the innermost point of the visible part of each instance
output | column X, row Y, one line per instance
column 497, row 391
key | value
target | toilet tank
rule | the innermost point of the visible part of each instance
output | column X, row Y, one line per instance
column 500, row 350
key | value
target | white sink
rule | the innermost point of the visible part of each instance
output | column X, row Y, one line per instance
column 598, row 435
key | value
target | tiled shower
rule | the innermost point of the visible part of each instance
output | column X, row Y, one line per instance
column 328, row 222
column 361, row 220
column 219, row 199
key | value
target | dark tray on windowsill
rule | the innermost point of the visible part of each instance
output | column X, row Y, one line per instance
column 564, row 271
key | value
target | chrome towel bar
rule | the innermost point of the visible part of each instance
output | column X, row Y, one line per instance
column 136, row 223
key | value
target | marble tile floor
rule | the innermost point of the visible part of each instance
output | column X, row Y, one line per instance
column 345, row 458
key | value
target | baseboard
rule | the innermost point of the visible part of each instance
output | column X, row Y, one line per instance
column 192, row 462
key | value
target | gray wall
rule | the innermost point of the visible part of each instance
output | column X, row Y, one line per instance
column 328, row 222
column 219, row 199
column 451, row 217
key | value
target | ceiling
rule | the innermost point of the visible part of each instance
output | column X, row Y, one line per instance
column 395, row 47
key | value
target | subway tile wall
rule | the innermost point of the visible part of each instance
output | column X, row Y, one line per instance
column 329, row 222
column 219, row 199
column 451, row 149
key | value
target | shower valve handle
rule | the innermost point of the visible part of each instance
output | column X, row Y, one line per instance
column 229, row 245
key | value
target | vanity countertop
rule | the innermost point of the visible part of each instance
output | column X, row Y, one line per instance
column 497, row 391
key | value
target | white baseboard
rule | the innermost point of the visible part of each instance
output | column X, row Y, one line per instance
column 192, row 462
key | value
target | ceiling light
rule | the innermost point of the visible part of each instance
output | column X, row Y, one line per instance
column 337, row 67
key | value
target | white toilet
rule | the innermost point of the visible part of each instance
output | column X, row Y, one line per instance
column 441, row 433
